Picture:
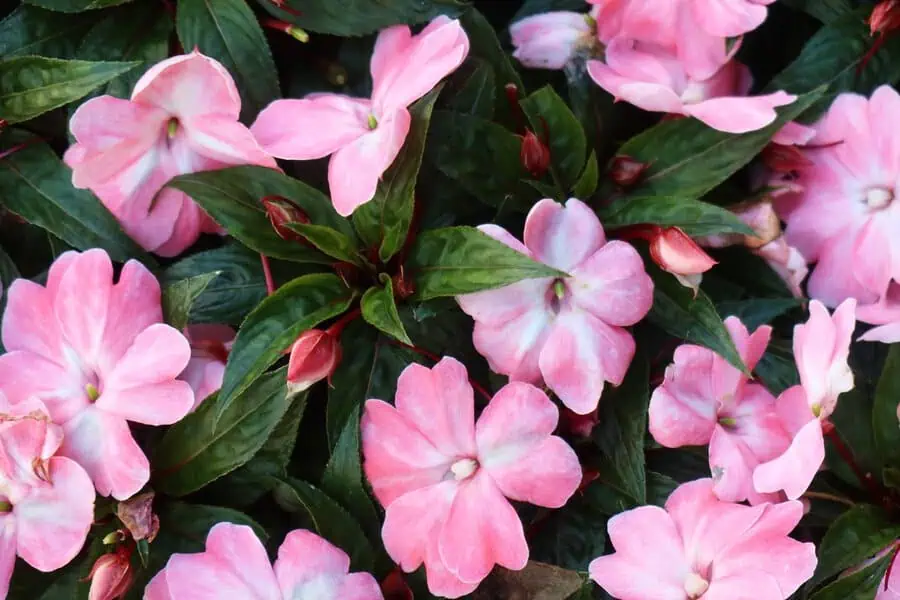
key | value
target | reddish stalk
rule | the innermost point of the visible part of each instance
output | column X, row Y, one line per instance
column 434, row 357
column 17, row 147
column 847, row 456
column 338, row 326
column 267, row 273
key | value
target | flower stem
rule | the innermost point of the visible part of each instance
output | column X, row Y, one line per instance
column 338, row 326
column 829, row 497
column 267, row 273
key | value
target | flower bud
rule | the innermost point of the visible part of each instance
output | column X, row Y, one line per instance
column 626, row 171
column 136, row 514
column 674, row 251
column 111, row 576
column 403, row 286
column 281, row 212
column 314, row 356
column 535, row 155
column 885, row 17
column 761, row 218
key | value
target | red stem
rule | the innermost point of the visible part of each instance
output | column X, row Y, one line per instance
column 17, row 147
column 267, row 273
column 434, row 357
column 338, row 326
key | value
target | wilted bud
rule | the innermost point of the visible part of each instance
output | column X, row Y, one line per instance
column 673, row 250
column 314, row 356
column 761, row 218
column 535, row 155
column 136, row 514
column 281, row 212
column 885, row 17
column 626, row 171
column 111, row 576
column 787, row 262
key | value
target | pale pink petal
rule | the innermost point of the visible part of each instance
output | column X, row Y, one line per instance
column 158, row 588
column 514, row 348
column 751, row 347
column 82, row 303
column 28, row 321
column 794, row 134
column 414, row 520
column 440, row 402
column 739, row 115
column 186, row 230
column 7, row 552
column 612, row 285
column 481, row 530
column 794, row 470
column 730, row 18
column 755, row 419
column 502, row 235
column 821, row 348
column 499, row 306
column 731, row 463
column 390, row 45
column 442, row 582
column 225, row 140
column 883, row 107
column 53, row 520
column 312, row 127
column 134, row 304
column 563, row 236
column 747, row 585
column 310, row 567
column 549, row 40
column 887, row 334
column 680, row 418
column 580, row 354
column 648, row 96
column 689, row 506
column 205, row 376
column 25, row 375
column 354, row 170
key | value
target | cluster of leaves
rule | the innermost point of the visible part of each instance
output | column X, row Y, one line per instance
column 252, row 453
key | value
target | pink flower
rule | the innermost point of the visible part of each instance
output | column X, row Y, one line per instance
column 821, row 348
column 47, row 501
column 702, row 548
column 786, row 261
column 705, row 400
column 182, row 118
column 235, row 565
column 111, row 576
column 364, row 136
column 98, row 355
column 550, row 40
column 654, row 78
column 841, row 212
column 444, row 480
column 567, row 332
column 889, row 588
column 210, row 345
column 314, row 356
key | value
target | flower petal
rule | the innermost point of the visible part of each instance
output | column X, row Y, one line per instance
column 82, row 303
column 514, row 348
column 739, row 114
column 225, row 140
column 413, row 520
column 310, row 567
column 794, row 470
column 612, row 285
column 7, row 552
column 29, row 323
column 563, row 236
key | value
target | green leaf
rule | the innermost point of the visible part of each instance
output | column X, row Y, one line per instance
column 692, row 318
column 228, row 31
column 330, row 241
column 860, row 585
column 824, row 10
column 360, row 17
column 757, row 311
column 8, row 272
column 484, row 44
column 37, row 186
column 855, row 536
column 687, row 159
column 33, row 85
column 536, row 7
column 620, row 432
column 590, row 177
column 853, row 424
column 572, row 536
column 380, row 311
column 138, row 32
column 777, row 368
column 178, row 298
column 884, row 412
column 33, row 31
column 385, row 220
column 694, row 217
column 201, row 448
column 461, row 260
column 568, row 146
column 73, row 6
column 273, row 325
column 343, row 478
column 328, row 519
column 471, row 89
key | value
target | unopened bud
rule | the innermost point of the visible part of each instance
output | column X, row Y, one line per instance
column 761, row 218
column 282, row 211
column 625, row 171
column 674, row 251
column 292, row 30
column 314, row 356
column 535, row 155
column 111, row 576
column 885, row 17
column 403, row 287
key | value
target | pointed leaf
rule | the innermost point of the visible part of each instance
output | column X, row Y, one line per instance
column 884, row 413
column 694, row 217
column 855, row 536
column 859, row 585
column 72, row 6
column 565, row 137
column 31, row 31
column 178, row 297
column 590, row 177
column 330, row 241
column 380, row 311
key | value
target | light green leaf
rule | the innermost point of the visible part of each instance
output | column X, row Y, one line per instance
column 178, row 297
column 380, row 311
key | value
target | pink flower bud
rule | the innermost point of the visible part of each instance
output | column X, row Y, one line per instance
column 136, row 514
column 314, row 356
column 281, row 212
column 535, row 155
column 111, row 576
column 885, row 17
column 673, row 250
column 626, row 171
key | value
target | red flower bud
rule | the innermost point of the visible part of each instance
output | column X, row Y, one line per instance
column 885, row 17
column 626, row 171
column 535, row 155
column 784, row 159
column 674, row 250
column 394, row 587
column 136, row 514
column 403, row 286
column 281, row 212
column 314, row 356
column 111, row 576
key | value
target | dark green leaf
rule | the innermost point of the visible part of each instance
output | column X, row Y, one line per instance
column 777, row 368
column 34, row 31
column 471, row 89
column 824, row 10
column 37, row 186
column 884, row 412
column 536, row 7
column 72, row 6
column 694, row 217
column 853, row 424
column 178, row 297
column 568, row 146
column 33, row 85
column 891, row 477
column 228, row 31
column 8, row 272
column 572, row 536
column 855, row 536
column 385, row 220
column 757, row 311
column 620, row 432
column 690, row 317
column 330, row 241
column 484, row 44
column 328, row 519
column 380, row 311
column 860, row 585
column 202, row 447
column 590, row 177
column 461, row 260
column 687, row 158
column 273, row 325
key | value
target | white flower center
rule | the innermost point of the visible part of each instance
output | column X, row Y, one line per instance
column 464, row 468
column 695, row 586
column 693, row 93
column 879, row 197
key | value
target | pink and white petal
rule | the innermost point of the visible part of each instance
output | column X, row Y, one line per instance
column 794, row 134
column 82, row 304
column 626, row 579
column 205, row 377
column 390, row 45
column 731, row 464
column 679, row 417
column 739, row 115
column 689, row 506
column 442, row 582
column 758, row 423
column 747, row 585
column 482, row 529
column 502, row 235
column 358, row 586
column 415, row 518
column 308, row 564
column 501, row 305
column 186, row 229
column 312, row 127
column 642, row 65
column 103, row 122
column 158, row 588
column 440, row 402
column 7, row 552
column 161, row 403
column 514, row 348
column 225, row 140
column 354, row 170
column 29, row 323
column 26, row 375
column 751, row 347
column 612, row 285
column 547, row 476
column 729, row 18
column 53, row 521
column 580, row 354
column 887, row 334
column 648, row 96
column 794, row 470
column 239, row 553
column 103, row 445
column 563, row 236
column 883, row 107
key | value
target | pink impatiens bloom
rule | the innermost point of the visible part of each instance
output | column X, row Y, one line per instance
column 841, row 211
column 567, row 332
column 235, row 565
column 550, row 40
column 444, row 480
column 46, row 501
column 364, row 136
column 210, row 345
column 98, row 355
column 181, row 118
column 700, row 548
column 821, row 348
column 705, row 400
